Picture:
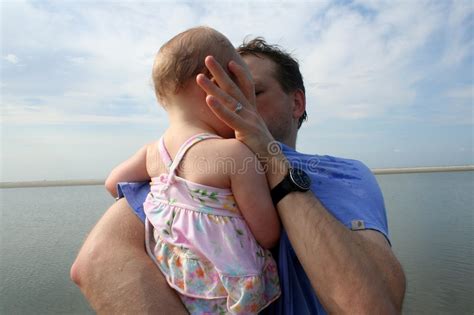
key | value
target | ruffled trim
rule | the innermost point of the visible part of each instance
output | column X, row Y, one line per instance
column 187, row 273
column 251, row 294
column 196, row 277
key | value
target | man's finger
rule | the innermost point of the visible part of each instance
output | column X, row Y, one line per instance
column 231, row 118
column 244, row 81
column 218, row 72
column 212, row 89
column 222, row 78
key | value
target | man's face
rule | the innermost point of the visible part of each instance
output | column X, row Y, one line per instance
column 273, row 104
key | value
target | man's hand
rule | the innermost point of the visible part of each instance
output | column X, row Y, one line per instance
column 223, row 97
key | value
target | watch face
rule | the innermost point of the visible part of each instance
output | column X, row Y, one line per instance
column 300, row 178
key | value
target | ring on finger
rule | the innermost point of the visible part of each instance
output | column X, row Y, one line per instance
column 238, row 107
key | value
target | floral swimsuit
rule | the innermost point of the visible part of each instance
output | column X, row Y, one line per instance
column 201, row 243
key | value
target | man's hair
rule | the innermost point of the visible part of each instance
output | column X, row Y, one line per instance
column 182, row 58
column 287, row 68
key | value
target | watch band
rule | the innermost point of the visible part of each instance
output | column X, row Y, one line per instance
column 281, row 190
column 295, row 180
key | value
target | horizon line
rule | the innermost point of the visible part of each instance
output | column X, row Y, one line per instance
column 97, row 182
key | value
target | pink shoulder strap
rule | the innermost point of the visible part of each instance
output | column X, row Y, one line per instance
column 173, row 164
column 188, row 144
column 165, row 156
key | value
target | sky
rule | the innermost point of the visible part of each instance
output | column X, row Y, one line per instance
column 390, row 83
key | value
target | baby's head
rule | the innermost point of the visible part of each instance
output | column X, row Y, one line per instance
column 182, row 58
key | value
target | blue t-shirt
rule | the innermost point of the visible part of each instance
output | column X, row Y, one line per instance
column 346, row 188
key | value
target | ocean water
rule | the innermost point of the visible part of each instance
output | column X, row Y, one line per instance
column 430, row 220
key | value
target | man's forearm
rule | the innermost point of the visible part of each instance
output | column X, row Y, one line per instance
column 348, row 272
column 114, row 272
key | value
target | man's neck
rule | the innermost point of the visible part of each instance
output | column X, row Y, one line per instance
column 290, row 141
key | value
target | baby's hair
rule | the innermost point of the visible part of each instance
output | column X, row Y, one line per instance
column 182, row 58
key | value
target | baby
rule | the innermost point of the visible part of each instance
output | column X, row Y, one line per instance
column 209, row 216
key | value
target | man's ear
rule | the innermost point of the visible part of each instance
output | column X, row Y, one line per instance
column 299, row 104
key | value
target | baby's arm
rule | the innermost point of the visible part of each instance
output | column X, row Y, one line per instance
column 131, row 170
column 252, row 194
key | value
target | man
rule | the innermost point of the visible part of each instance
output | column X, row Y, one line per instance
column 338, row 232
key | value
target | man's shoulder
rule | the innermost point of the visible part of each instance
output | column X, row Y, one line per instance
column 338, row 159
column 350, row 164
column 292, row 153
column 329, row 162
column 350, row 192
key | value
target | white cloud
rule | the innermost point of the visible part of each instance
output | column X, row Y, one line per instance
column 11, row 58
column 464, row 92
column 37, row 116
column 77, row 60
column 368, row 59
column 89, row 62
column 458, row 47
column 348, row 56
column 111, row 47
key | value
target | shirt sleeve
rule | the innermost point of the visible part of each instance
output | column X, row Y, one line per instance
column 372, row 213
column 352, row 195
column 135, row 193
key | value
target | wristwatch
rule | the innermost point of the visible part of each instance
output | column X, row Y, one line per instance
column 295, row 180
